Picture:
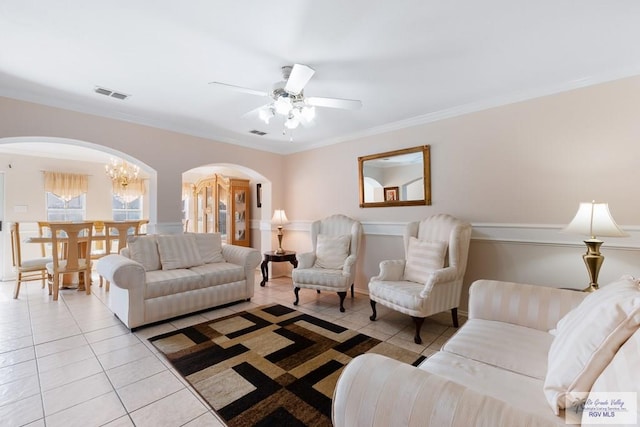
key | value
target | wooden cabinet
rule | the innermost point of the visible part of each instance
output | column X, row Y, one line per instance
column 222, row 205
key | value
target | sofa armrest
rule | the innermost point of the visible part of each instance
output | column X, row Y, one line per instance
column 121, row 271
column 391, row 270
column 538, row 307
column 306, row 260
column 377, row 391
column 241, row 255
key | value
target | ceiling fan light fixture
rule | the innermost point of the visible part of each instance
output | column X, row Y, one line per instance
column 282, row 105
column 266, row 114
column 292, row 122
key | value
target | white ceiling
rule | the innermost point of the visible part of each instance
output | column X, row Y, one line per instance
column 409, row 62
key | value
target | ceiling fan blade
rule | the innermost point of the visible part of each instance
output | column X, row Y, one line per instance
column 298, row 79
column 344, row 104
column 240, row 89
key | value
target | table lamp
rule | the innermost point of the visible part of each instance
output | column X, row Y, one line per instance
column 280, row 218
column 594, row 219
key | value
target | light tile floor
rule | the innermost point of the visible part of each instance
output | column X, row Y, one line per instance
column 72, row 363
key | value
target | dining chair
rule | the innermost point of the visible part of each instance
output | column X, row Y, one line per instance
column 75, row 257
column 142, row 226
column 26, row 270
column 116, row 233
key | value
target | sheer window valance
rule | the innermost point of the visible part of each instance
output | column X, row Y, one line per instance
column 135, row 188
column 65, row 185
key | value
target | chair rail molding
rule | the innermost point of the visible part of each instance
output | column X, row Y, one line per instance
column 515, row 233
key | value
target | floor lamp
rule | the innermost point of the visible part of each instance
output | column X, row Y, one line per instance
column 594, row 219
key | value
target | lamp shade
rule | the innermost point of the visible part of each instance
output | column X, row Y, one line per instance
column 594, row 219
column 279, row 217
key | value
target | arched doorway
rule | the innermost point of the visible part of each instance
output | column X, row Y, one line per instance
column 22, row 161
column 260, row 215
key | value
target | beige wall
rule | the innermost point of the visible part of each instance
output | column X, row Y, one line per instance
column 510, row 167
column 516, row 172
column 168, row 153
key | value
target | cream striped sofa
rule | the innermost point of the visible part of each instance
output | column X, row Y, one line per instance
column 527, row 356
column 157, row 277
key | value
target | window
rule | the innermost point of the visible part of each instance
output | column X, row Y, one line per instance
column 60, row 210
column 126, row 211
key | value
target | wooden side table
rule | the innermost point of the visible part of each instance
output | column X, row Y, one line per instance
column 274, row 257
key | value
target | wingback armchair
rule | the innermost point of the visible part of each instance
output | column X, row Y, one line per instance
column 331, row 266
column 429, row 279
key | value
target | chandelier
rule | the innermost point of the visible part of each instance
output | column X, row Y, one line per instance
column 124, row 179
column 121, row 173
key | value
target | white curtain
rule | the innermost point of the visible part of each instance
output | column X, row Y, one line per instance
column 65, row 185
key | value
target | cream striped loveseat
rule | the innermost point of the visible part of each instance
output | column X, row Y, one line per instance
column 157, row 277
column 527, row 356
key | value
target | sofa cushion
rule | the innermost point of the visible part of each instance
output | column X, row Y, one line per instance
column 504, row 345
column 423, row 257
column 403, row 296
column 209, row 247
column 520, row 391
column 178, row 251
column 218, row 273
column 587, row 338
column 321, row 277
column 171, row 282
column 332, row 251
column 144, row 249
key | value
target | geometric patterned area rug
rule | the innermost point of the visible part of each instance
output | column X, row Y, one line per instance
column 270, row 366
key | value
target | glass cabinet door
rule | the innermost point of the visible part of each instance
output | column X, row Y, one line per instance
column 240, row 216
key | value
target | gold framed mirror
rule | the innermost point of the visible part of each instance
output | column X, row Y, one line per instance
column 395, row 178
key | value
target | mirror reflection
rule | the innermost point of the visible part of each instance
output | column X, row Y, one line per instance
column 395, row 178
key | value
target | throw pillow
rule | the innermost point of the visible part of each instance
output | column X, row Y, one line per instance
column 144, row 249
column 621, row 375
column 209, row 247
column 587, row 338
column 178, row 251
column 332, row 251
column 423, row 258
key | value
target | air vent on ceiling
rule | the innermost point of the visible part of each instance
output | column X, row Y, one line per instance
column 111, row 93
column 257, row 132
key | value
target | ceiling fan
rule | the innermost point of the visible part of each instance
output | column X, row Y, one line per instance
column 288, row 98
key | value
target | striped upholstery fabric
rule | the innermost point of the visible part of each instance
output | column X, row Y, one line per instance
column 332, row 251
column 209, row 247
column 521, row 392
column 588, row 338
column 323, row 278
column 167, row 306
column 310, row 275
column 403, row 296
column 442, row 289
column 178, row 251
column 623, row 373
column 492, row 342
column 423, row 257
column 167, row 282
column 139, row 297
column 219, row 273
column 537, row 307
column 144, row 249
column 377, row 391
